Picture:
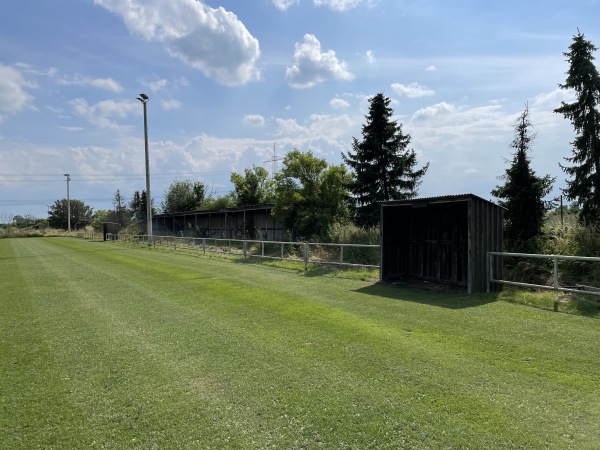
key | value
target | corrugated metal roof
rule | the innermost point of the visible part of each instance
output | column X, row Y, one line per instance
column 214, row 211
column 439, row 199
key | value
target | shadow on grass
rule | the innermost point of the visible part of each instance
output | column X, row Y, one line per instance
column 433, row 294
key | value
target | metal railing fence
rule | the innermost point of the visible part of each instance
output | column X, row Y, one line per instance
column 555, row 278
column 351, row 255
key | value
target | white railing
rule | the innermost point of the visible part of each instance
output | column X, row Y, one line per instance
column 555, row 285
column 307, row 252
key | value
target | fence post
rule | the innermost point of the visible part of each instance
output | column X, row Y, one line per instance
column 245, row 248
column 341, row 254
column 204, row 245
column 282, row 250
column 555, row 273
column 263, row 248
column 556, row 283
column 306, row 250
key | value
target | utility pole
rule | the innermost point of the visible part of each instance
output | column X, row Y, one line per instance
column 144, row 99
column 68, row 203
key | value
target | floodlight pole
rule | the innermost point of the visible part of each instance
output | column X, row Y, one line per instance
column 68, row 203
column 144, row 99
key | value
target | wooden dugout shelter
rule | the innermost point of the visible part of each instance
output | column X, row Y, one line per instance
column 442, row 239
column 248, row 222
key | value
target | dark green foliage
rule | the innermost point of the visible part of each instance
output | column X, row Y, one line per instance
column 182, row 196
column 382, row 163
column 81, row 214
column 121, row 215
column 310, row 195
column 523, row 192
column 583, row 78
column 253, row 187
column 211, row 202
column 138, row 207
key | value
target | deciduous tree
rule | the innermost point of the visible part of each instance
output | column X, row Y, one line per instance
column 182, row 196
column 310, row 195
column 81, row 214
column 253, row 187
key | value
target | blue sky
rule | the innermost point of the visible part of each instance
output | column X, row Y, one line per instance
column 230, row 80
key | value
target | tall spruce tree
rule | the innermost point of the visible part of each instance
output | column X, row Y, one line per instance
column 382, row 163
column 523, row 192
column 583, row 78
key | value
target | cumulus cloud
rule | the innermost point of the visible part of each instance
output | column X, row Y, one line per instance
column 370, row 56
column 105, row 113
column 211, row 40
column 285, row 4
column 107, row 84
column 339, row 5
column 254, row 120
column 431, row 69
column 330, row 127
column 338, row 103
column 412, row 90
column 13, row 94
column 155, row 86
column 311, row 66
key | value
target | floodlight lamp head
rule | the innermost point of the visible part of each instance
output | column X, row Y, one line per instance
column 144, row 97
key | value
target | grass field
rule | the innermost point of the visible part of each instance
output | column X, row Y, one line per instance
column 107, row 346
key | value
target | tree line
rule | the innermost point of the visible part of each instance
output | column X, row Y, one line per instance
column 310, row 195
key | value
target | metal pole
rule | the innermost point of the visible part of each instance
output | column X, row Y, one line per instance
column 68, row 203
column 144, row 99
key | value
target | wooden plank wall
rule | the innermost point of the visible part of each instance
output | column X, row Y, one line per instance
column 440, row 240
column 249, row 224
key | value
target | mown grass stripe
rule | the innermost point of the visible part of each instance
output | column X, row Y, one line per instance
column 160, row 349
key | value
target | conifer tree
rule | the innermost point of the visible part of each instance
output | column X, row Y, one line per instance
column 382, row 163
column 583, row 78
column 523, row 192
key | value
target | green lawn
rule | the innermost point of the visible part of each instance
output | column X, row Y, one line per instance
column 108, row 346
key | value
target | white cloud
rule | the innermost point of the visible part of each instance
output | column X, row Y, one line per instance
column 338, row 103
column 105, row 113
column 312, row 67
column 285, row 4
column 412, row 90
column 70, row 128
column 155, row 86
column 289, row 126
column 211, row 40
column 107, row 84
column 254, row 120
column 334, row 5
column 318, row 126
column 370, row 56
column 13, row 94
column 431, row 69
column 169, row 105
column 339, row 5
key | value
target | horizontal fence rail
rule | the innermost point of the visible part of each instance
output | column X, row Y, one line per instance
column 555, row 285
column 351, row 255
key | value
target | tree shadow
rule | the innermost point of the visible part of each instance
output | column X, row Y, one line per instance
column 433, row 294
